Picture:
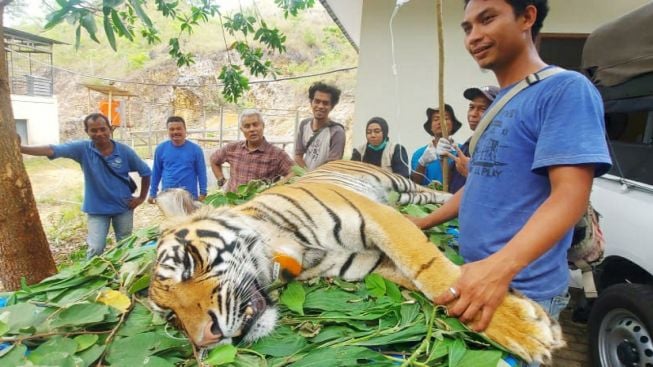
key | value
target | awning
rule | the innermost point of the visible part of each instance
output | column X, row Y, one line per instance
column 620, row 50
column 109, row 90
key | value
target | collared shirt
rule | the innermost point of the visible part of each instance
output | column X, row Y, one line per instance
column 266, row 162
column 104, row 193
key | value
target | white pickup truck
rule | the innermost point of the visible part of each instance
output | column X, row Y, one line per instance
column 618, row 58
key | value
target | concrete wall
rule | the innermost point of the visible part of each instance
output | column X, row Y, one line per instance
column 41, row 115
column 403, row 98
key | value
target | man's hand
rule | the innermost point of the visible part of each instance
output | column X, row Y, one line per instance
column 428, row 156
column 151, row 200
column 478, row 292
column 443, row 147
column 461, row 161
column 134, row 202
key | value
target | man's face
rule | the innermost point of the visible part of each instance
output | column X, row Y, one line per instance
column 436, row 126
column 252, row 129
column 374, row 134
column 493, row 35
column 321, row 105
column 177, row 132
column 98, row 131
column 477, row 107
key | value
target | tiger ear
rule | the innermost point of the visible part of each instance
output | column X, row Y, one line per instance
column 176, row 203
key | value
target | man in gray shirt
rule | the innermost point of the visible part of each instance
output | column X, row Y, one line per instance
column 320, row 140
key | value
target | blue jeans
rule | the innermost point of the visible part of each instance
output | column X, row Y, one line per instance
column 98, row 229
column 554, row 306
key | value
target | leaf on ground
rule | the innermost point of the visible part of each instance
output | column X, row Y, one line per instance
column 115, row 299
column 54, row 351
column 375, row 285
column 85, row 341
column 293, row 297
column 221, row 355
column 80, row 314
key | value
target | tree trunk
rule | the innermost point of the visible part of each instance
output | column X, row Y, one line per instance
column 24, row 249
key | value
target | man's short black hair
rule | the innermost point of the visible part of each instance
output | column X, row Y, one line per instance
column 519, row 6
column 324, row 88
column 93, row 117
column 176, row 119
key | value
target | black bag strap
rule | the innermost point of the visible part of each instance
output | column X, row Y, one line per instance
column 318, row 131
column 125, row 180
column 498, row 105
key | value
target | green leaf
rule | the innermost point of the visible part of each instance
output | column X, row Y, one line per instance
column 108, row 29
column 91, row 354
column 409, row 313
column 118, row 23
column 138, row 321
column 138, row 9
column 293, row 297
column 15, row 356
column 85, row 341
column 88, row 22
column 80, row 314
column 457, row 351
column 375, row 285
column 281, row 343
column 343, row 357
column 480, row 358
column 3, row 328
column 22, row 315
column 221, row 355
column 57, row 349
column 393, row 291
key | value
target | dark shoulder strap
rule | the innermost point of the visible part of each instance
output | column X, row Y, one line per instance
column 498, row 105
column 318, row 131
column 106, row 164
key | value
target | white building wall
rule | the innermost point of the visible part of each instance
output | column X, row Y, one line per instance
column 41, row 115
column 403, row 99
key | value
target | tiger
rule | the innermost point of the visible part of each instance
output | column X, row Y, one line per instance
column 214, row 266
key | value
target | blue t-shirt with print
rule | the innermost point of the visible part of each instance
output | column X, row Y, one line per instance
column 433, row 170
column 179, row 167
column 557, row 121
column 104, row 193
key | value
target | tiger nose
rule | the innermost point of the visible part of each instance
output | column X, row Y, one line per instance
column 211, row 334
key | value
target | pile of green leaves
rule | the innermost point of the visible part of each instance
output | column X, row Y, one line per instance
column 66, row 321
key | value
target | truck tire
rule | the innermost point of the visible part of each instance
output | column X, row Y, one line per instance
column 620, row 327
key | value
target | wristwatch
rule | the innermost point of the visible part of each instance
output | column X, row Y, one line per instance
column 221, row 181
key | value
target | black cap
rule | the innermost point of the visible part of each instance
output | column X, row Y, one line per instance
column 429, row 113
column 489, row 91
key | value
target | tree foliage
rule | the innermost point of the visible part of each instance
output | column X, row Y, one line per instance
column 129, row 19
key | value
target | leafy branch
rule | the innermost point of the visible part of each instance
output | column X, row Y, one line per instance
column 129, row 19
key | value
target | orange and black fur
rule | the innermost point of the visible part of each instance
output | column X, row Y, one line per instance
column 214, row 265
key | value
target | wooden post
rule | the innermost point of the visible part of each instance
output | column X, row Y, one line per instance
column 444, row 161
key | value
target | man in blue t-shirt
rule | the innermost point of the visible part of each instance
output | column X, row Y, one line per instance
column 425, row 162
column 178, row 163
column 531, row 173
column 106, row 165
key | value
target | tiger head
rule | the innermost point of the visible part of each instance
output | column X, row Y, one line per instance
column 212, row 271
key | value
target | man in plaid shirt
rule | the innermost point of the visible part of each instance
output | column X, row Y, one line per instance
column 251, row 159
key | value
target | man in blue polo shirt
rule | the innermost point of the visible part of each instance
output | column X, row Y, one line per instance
column 106, row 165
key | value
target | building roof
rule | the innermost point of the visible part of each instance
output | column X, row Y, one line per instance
column 347, row 16
column 109, row 90
column 15, row 33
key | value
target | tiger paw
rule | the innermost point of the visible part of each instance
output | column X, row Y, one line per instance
column 524, row 328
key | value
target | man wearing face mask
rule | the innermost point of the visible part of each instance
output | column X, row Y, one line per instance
column 425, row 162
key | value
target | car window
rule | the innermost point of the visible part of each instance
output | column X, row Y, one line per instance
column 630, row 134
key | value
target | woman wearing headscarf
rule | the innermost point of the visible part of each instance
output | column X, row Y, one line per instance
column 380, row 151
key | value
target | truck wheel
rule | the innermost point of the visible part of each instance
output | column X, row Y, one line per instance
column 620, row 327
